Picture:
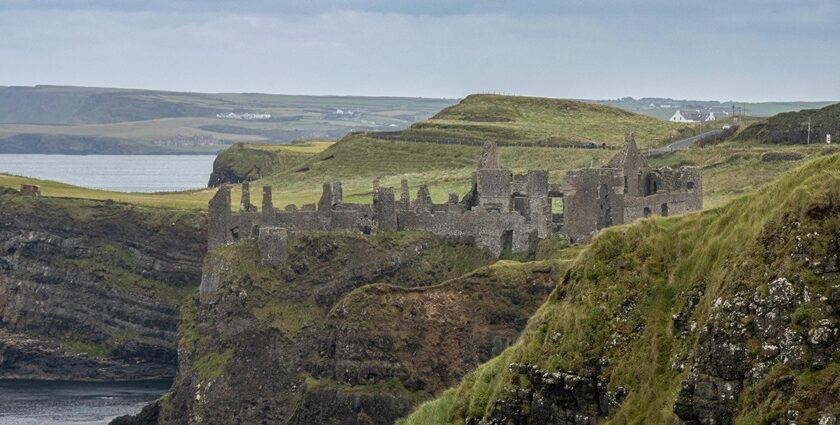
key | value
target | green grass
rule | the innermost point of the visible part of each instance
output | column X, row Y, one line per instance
column 431, row 412
column 211, row 365
column 188, row 200
column 289, row 317
column 792, row 127
column 252, row 161
column 388, row 386
column 730, row 169
column 733, row 169
column 652, row 263
column 542, row 121
column 86, row 348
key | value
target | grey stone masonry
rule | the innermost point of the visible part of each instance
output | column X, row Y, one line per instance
column 273, row 243
column 625, row 190
column 502, row 212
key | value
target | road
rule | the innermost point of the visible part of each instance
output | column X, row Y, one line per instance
column 686, row 143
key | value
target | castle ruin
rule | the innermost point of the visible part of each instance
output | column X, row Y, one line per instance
column 502, row 212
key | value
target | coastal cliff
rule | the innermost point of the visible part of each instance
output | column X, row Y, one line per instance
column 727, row 316
column 89, row 290
column 315, row 343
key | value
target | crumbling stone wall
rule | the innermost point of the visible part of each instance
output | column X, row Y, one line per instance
column 273, row 243
column 625, row 190
column 502, row 211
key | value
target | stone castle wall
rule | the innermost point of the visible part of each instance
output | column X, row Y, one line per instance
column 502, row 212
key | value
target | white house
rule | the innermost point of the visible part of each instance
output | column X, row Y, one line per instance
column 692, row 116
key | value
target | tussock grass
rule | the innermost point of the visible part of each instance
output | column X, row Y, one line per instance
column 622, row 290
column 431, row 412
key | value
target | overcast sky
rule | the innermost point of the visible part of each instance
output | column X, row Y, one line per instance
column 748, row 50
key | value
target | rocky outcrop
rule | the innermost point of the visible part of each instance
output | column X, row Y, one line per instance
column 314, row 343
column 90, row 289
column 241, row 163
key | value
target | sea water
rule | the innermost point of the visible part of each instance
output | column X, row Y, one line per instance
column 31, row 402
column 123, row 173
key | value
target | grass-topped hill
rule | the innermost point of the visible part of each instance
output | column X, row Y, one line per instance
column 724, row 316
column 528, row 121
column 246, row 162
column 792, row 127
column 297, row 171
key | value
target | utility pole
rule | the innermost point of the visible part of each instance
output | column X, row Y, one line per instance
column 809, row 130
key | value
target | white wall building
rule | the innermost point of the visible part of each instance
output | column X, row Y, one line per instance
column 692, row 116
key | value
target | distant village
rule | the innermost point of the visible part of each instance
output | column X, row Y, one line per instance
column 248, row 116
column 187, row 141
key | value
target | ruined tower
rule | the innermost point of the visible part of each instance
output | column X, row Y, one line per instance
column 492, row 183
column 219, row 226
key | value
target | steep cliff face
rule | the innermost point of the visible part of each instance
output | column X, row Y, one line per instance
column 315, row 344
column 725, row 316
column 90, row 290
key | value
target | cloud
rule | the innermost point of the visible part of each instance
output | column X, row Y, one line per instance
column 561, row 49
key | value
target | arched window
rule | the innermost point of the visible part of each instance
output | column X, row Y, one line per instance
column 665, row 210
column 647, row 212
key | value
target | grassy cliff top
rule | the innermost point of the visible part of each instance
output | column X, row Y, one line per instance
column 544, row 121
column 619, row 305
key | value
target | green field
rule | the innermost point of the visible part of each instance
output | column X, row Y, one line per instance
column 730, row 168
column 82, row 120
column 664, row 108
column 536, row 121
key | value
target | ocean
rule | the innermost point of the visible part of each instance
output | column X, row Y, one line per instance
column 123, row 173
column 30, row 402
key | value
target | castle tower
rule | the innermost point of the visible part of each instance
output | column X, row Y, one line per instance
column 337, row 193
column 385, row 209
column 325, row 203
column 492, row 183
column 218, row 231
column 245, row 203
column 267, row 205
column 405, row 197
column 489, row 159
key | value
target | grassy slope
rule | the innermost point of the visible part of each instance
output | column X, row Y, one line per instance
column 544, row 121
column 734, row 169
column 251, row 161
column 730, row 169
column 653, row 263
column 773, row 129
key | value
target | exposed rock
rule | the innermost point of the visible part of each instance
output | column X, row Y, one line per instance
column 90, row 290
column 305, row 346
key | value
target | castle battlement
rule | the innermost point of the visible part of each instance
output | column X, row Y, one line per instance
column 502, row 211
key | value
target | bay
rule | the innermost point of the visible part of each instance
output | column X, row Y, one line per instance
column 30, row 402
column 122, row 173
